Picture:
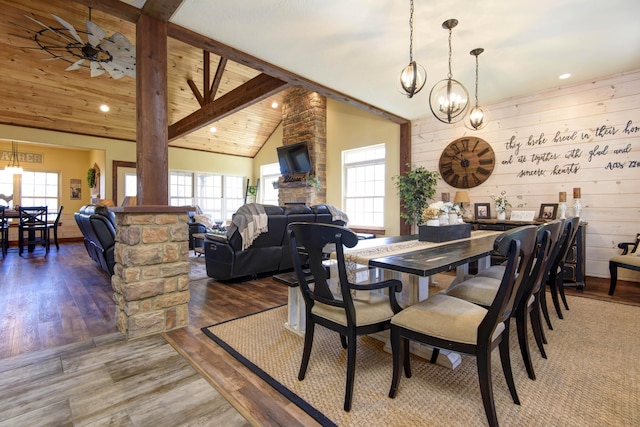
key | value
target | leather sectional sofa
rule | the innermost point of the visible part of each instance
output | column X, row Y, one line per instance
column 98, row 226
column 269, row 252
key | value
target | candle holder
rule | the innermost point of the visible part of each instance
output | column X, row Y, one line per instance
column 563, row 210
column 577, row 207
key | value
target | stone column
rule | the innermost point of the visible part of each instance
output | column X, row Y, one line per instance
column 151, row 275
column 304, row 118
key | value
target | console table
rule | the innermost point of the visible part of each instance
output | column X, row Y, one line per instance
column 573, row 271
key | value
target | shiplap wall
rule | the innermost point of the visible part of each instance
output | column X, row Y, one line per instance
column 590, row 130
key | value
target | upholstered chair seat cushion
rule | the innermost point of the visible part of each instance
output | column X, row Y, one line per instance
column 478, row 290
column 445, row 317
column 495, row 272
column 631, row 259
column 374, row 310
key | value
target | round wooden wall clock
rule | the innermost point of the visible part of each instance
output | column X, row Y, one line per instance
column 467, row 162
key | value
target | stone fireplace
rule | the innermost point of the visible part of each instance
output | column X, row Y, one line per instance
column 304, row 118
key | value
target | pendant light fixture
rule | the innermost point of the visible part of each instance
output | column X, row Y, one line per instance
column 413, row 76
column 14, row 164
column 477, row 117
column 449, row 98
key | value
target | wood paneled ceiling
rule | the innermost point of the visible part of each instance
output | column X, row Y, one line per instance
column 39, row 93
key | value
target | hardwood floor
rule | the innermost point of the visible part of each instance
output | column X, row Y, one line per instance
column 63, row 299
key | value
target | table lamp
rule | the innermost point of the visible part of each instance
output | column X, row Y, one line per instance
column 460, row 198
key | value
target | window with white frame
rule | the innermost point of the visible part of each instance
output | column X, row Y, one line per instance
column 219, row 196
column 6, row 187
column 40, row 189
column 234, row 187
column 180, row 188
column 268, row 175
column 364, row 183
column 208, row 194
column 130, row 184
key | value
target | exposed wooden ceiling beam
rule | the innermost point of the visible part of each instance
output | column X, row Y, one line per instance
column 232, row 54
column 116, row 8
column 217, row 79
column 162, row 10
column 130, row 13
column 255, row 90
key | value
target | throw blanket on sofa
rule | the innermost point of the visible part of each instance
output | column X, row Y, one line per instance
column 250, row 220
column 337, row 214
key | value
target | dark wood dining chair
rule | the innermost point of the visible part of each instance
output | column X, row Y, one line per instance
column 4, row 232
column 54, row 227
column 33, row 228
column 555, row 278
column 451, row 323
column 341, row 312
column 629, row 258
column 482, row 289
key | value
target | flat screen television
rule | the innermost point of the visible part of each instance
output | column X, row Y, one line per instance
column 294, row 158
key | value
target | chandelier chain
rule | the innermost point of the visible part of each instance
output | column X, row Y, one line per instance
column 449, row 75
column 411, row 33
column 477, row 81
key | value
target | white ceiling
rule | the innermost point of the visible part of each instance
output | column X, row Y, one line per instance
column 359, row 47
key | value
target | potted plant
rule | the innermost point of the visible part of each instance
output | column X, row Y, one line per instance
column 91, row 177
column 415, row 189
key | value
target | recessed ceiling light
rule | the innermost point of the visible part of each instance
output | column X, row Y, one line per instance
column 104, row 108
column 564, row 76
column 213, row 129
column 274, row 104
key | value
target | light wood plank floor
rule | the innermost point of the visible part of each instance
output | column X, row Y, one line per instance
column 56, row 315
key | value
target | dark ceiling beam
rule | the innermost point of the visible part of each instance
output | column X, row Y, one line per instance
column 217, row 79
column 220, row 49
column 130, row 13
column 162, row 10
column 116, row 8
column 255, row 90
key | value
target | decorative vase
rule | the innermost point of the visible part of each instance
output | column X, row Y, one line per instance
column 453, row 218
column 502, row 216
column 444, row 219
column 577, row 207
column 433, row 223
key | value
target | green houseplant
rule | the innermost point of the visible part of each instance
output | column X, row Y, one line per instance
column 91, row 177
column 415, row 189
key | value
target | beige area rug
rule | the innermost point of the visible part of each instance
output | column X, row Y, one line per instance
column 198, row 267
column 591, row 377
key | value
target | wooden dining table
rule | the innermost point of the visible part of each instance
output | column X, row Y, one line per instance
column 13, row 219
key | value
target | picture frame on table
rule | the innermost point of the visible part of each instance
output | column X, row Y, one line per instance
column 482, row 210
column 548, row 211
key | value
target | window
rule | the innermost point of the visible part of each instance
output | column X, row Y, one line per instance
column 208, row 194
column 6, row 188
column 364, row 182
column 268, row 175
column 130, row 184
column 180, row 188
column 233, row 194
column 40, row 189
column 219, row 196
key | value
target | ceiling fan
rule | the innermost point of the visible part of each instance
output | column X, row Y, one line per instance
column 115, row 55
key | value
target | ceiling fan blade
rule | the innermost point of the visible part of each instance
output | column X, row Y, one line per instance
column 94, row 33
column 69, row 28
column 114, row 70
column 75, row 66
column 96, row 69
column 122, row 52
column 53, row 30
